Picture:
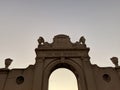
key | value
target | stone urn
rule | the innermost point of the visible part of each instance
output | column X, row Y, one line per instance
column 8, row 61
column 114, row 61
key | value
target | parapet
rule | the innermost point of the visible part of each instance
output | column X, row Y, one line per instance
column 62, row 43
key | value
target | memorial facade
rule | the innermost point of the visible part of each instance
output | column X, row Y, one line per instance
column 61, row 53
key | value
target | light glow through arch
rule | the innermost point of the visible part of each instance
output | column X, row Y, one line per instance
column 62, row 79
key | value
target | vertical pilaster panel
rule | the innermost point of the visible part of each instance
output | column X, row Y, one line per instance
column 90, row 81
column 38, row 74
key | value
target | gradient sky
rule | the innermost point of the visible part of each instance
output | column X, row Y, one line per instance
column 23, row 21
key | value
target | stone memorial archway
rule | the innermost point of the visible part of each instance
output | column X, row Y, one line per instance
column 62, row 53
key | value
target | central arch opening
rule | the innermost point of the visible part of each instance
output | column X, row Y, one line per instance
column 62, row 79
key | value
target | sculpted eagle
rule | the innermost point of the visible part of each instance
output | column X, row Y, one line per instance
column 82, row 40
column 41, row 40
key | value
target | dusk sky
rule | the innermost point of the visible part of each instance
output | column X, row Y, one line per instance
column 23, row 21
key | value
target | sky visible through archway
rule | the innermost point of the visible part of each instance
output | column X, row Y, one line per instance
column 67, row 82
column 23, row 21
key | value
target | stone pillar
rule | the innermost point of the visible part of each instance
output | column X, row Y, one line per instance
column 38, row 74
column 90, row 81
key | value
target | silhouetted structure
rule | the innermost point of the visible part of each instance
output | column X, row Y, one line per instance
column 61, row 53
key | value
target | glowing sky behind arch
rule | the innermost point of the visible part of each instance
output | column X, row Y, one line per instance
column 62, row 79
column 23, row 21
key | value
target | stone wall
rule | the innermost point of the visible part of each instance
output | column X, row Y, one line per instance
column 106, row 78
column 16, row 79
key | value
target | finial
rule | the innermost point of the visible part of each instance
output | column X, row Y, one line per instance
column 82, row 40
column 41, row 40
column 114, row 61
column 8, row 61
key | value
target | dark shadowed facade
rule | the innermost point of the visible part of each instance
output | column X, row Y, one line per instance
column 61, row 53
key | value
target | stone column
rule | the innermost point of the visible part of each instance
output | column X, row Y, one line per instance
column 38, row 74
column 90, row 81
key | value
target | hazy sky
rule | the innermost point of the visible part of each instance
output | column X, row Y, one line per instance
column 23, row 21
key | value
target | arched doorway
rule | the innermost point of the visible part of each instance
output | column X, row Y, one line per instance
column 69, row 64
column 62, row 79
